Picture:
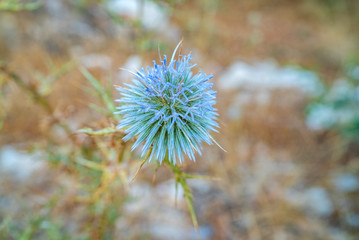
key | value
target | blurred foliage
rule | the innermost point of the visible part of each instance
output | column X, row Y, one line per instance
column 351, row 6
column 104, row 94
column 39, row 225
column 338, row 107
column 47, row 80
column 3, row 81
column 347, row 9
column 91, row 165
column 19, row 5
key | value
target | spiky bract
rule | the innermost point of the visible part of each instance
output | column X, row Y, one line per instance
column 169, row 109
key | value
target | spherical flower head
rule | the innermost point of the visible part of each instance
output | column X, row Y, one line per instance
column 169, row 109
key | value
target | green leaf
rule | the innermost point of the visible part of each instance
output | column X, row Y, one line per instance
column 26, row 235
column 192, row 176
column 16, row 5
column 103, row 131
column 189, row 199
column 99, row 109
column 181, row 179
column 5, row 223
column 104, row 95
column 90, row 164
column 47, row 81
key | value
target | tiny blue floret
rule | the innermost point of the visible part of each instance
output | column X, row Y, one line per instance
column 169, row 109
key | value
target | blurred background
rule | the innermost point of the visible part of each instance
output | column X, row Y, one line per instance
column 287, row 76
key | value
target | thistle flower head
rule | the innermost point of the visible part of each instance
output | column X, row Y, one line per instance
column 169, row 109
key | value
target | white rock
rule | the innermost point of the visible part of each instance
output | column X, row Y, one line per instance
column 327, row 114
column 337, row 234
column 268, row 76
column 321, row 117
column 142, row 198
column 96, row 60
column 203, row 186
column 355, row 72
column 165, row 231
column 150, row 14
column 313, row 200
column 19, row 165
column 133, row 64
column 55, row 8
column 318, row 200
column 346, row 182
column 353, row 220
column 167, row 191
column 147, row 197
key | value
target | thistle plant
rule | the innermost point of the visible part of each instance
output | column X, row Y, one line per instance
column 169, row 109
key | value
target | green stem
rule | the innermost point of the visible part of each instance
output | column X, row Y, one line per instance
column 122, row 152
column 181, row 178
column 38, row 98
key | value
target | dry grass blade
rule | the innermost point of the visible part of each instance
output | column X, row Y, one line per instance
column 138, row 170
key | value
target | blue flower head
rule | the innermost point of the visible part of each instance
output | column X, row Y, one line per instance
column 169, row 109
